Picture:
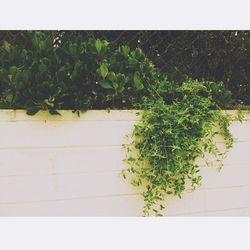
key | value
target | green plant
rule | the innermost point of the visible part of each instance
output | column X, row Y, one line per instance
column 56, row 72
column 180, row 116
column 170, row 137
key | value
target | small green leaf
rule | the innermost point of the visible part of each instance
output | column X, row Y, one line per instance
column 161, row 207
column 104, row 70
column 73, row 49
column 54, row 112
column 138, row 53
column 13, row 70
column 32, row 110
column 137, row 81
column 42, row 68
column 124, row 50
column 122, row 79
column 112, row 76
column 9, row 98
column 48, row 103
column 26, row 75
column 6, row 46
column 106, row 85
column 120, row 90
column 98, row 45
column 115, row 85
column 10, row 77
column 58, row 91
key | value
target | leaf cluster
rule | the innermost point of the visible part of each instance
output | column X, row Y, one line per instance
column 56, row 72
column 170, row 137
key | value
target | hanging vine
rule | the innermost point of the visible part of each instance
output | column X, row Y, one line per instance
column 170, row 137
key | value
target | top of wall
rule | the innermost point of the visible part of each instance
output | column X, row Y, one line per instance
column 68, row 115
column 90, row 115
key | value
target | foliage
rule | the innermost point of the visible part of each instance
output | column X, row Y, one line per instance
column 180, row 116
column 170, row 137
column 210, row 55
column 59, row 73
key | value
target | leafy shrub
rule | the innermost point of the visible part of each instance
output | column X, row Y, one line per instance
column 211, row 55
column 204, row 55
column 58, row 73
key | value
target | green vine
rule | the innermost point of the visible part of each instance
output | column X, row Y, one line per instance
column 170, row 138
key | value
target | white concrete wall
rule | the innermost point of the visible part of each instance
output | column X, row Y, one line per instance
column 70, row 166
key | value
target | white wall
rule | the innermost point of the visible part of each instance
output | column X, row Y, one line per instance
column 70, row 166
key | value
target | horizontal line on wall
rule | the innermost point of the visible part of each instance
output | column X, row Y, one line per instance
column 188, row 191
column 207, row 211
column 237, row 141
column 215, row 168
column 61, row 147
column 62, row 174
column 69, row 199
column 79, row 121
column 84, row 146
column 216, row 188
column 103, row 197
column 54, row 121
column 62, row 119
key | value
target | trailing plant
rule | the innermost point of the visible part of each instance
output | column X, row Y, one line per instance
column 169, row 139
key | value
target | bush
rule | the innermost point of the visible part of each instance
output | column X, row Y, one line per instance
column 59, row 73
column 203, row 55
column 211, row 55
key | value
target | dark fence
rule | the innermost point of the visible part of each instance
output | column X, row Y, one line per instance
column 211, row 55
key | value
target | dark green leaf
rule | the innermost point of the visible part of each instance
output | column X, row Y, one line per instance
column 137, row 81
column 112, row 76
column 98, row 45
column 104, row 70
column 13, row 70
column 124, row 50
column 42, row 68
column 32, row 110
column 54, row 112
column 6, row 46
column 9, row 98
column 106, row 85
